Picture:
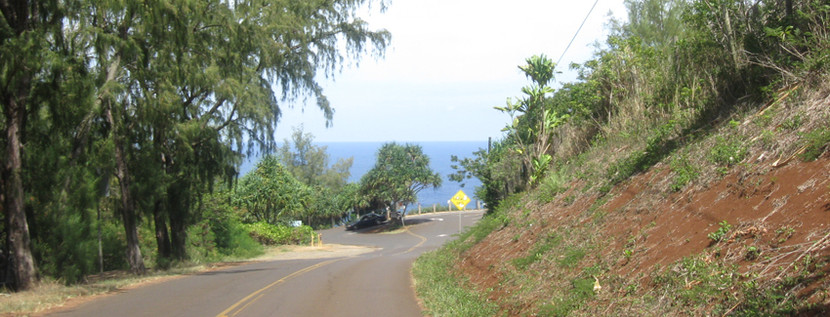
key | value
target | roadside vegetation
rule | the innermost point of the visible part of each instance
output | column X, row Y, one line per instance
column 124, row 125
column 684, row 173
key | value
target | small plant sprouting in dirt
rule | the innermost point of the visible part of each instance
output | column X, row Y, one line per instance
column 569, row 200
column 768, row 139
column 720, row 234
column 752, row 253
column 784, row 233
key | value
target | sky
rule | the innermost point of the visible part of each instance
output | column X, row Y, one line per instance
column 449, row 63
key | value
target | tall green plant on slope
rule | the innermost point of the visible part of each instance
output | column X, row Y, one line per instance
column 533, row 120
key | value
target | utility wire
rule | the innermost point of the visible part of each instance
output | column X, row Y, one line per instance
column 577, row 33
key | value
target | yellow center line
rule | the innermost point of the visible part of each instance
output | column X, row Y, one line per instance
column 248, row 300
column 423, row 239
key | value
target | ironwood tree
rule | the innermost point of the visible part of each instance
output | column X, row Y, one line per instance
column 165, row 96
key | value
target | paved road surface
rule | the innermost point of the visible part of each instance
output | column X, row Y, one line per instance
column 371, row 284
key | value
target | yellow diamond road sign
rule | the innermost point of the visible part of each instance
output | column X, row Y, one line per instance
column 460, row 199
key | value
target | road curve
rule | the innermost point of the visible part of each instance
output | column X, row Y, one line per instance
column 371, row 284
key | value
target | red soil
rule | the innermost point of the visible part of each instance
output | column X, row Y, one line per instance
column 784, row 212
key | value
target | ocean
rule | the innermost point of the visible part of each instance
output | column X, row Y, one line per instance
column 440, row 153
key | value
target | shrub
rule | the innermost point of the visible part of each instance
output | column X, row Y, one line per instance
column 727, row 151
column 684, row 172
column 269, row 234
column 817, row 142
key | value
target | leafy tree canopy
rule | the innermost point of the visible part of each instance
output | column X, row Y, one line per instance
column 309, row 163
column 400, row 172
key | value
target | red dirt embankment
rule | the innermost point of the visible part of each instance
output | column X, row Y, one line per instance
column 777, row 216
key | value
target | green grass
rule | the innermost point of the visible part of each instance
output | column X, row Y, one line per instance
column 582, row 290
column 445, row 293
column 728, row 151
column 539, row 250
column 713, row 288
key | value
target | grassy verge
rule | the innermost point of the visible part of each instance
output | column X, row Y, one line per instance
column 445, row 293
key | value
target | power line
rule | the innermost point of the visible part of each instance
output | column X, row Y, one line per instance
column 577, row 33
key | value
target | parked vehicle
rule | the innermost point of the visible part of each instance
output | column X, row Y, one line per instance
column 367, row 220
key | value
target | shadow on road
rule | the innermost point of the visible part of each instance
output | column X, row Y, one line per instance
column 236, row 271
column 392, row 225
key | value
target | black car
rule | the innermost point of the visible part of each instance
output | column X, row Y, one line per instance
column 367, row 220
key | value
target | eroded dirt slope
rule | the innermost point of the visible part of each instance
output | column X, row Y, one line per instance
column 778, row 218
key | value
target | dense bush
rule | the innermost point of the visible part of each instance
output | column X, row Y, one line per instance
column 269, row 234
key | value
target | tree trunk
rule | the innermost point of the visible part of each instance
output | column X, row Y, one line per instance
column 177, row 211
column 178, row 237
column 17, row 228
column 22, row 18
column 128, row 204
column 162, row 236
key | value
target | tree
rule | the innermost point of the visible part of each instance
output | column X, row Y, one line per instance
column 400, row 172
column 496, row 169
column 309, row 163
column 271, row 194
column 28, row 30
column 533, row 118
column 195, row 84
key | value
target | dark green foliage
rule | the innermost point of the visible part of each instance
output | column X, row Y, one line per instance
column 400, row 172
column 817, row 143
column 71, row 251
column 657, row 148
column 269, row 234
column 728, row 151
column 685, row 172
column 166, row 96
column 499, row 169
column 230, row 236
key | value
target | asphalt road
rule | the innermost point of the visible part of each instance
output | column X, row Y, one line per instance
column 371, row 284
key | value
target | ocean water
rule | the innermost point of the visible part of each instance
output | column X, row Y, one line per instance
column 439, row 153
